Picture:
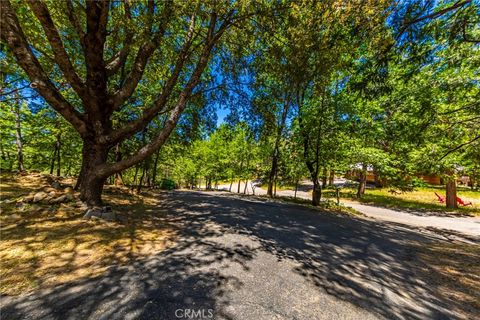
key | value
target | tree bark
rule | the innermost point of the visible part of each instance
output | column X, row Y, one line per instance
column 155, row 164
column 324, row 177
column 54, row 157
column 451, row 200
column 276, row 149
column 58, row 146
column 316, row 193
column 296, row 189
column 118, row 157
column 91, row 185
column 331, row 177
column 146, row 165
column 362, row 181
column 271, row 175
column 18, row 137
column 135, row 177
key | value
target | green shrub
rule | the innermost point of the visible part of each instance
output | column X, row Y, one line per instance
column 167, row 184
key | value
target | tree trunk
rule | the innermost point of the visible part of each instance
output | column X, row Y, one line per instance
column 317, row 192
column 91, row 186
column 240, row 172
column 245, row 188
column 296, row 189
column 378, row 183
column 143, row 176
column 331, row 177
column 58, row 146
column 155, row 164
column 451, row 201
column 209, row 183
column 135, row 177
column 54, row 156
column 271, row 175
column 231, row 184
column 324, row 178
column 362, row 181
column 276, row 149
column 18, row 137
column 78, row 183
column 118, row 157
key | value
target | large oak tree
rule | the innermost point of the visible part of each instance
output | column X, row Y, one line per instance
column 101, row 52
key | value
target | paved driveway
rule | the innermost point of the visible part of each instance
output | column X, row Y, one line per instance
column 242, row 258
column 458, row 226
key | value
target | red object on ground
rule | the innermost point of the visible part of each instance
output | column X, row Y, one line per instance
column 463, row 203
column 440, row 198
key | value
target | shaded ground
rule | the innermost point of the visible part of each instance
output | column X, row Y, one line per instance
column 469, row 226
column 455, row 222
column 43, row 245
column 248, row 259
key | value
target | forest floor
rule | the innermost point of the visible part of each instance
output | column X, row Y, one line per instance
column 240, row 257
column 44, row 245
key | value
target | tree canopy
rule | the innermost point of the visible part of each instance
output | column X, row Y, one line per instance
column 307, row 89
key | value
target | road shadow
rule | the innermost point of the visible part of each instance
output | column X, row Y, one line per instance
column 365, row 263
column 372, row 265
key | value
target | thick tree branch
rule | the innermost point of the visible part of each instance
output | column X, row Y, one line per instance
column 150, row 113
column 141, row 59
column 439, row 13
column 95, row 37
column 75, row 23
column 61, row 58
column 460, row 146
column 170, row 124
column 119, row 59
column 14, row 37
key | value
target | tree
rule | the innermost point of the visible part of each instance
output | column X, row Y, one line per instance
column 105, row 71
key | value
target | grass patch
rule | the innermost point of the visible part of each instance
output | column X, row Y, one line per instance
column 422, row 199
column 45, row 245
column 329, row 206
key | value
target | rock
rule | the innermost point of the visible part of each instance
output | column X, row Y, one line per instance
column 93, row 212
column 28, row 198
column 69, row 197
column 19, row 205
column 49, row 189
column 39, row 196
column 110, row 216
column 81, row 205
column 99, row 213
column 56, row 185
column 69, row 190
column 35, row 208
column 14, row 217
column 59, row 199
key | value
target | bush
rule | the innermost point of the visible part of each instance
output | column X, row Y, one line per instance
column 167, row 184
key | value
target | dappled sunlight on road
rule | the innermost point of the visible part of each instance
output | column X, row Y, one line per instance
column 263, row 260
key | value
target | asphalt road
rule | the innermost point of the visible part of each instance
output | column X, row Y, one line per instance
column 462, row 226
column 243, row 258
